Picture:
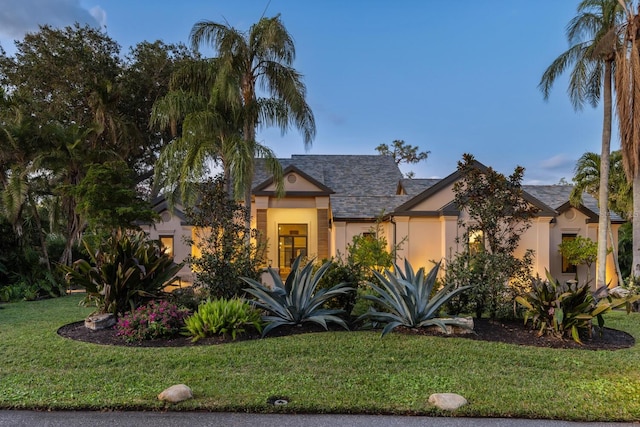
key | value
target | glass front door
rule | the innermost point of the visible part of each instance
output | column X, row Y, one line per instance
column 292, row 242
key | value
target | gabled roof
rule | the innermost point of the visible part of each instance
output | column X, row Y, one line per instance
column 557, row 196
column 544, row 209
column 260, row 189
column 362, row 185
column 160, row 204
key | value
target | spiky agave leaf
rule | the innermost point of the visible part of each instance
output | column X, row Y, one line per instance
column 297, row 300
column 406, row 299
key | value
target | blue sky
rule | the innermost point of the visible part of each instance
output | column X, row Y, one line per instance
column 450, row 77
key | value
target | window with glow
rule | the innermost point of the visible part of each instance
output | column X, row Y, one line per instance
column 167, row 244
column 292, row 242
column 476, row 242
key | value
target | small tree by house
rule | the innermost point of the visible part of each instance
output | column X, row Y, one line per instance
column 497, row 216
column 369, row 251
column 578, row 251
column 220, row 237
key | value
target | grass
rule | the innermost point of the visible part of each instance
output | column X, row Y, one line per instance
column 362, row 373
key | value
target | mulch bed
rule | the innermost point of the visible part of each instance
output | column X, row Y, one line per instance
column 506, row 331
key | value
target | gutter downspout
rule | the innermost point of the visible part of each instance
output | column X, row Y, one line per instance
column 395, row 239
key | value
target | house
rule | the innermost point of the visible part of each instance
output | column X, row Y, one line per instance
column 329, row 199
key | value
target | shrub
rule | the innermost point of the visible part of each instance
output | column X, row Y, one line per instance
column 221, row 317
column 341, row 272
column 124, row 272
column 153, row 320
column 223, row 241
column 407, row 300
column 299, row 299
column 567, row 309
column 495, row 280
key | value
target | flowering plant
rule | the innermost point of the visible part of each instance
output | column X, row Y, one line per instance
column 154, row 320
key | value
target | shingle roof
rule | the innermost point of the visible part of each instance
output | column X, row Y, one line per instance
column 558, row 195
column 355, row 175
column 415, row 186
column 364, row 185
column 367, row 185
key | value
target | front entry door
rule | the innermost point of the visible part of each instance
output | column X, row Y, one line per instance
column 292, row 242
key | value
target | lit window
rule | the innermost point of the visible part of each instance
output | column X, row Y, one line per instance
column 167, row 243
column 476, row 242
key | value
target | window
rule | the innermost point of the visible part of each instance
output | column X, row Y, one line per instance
column 566, row 267
column 167, row 243
column 292, row 242
column 476, row 242
column 369, row 235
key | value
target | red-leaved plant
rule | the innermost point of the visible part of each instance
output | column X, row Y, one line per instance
column 157, row 319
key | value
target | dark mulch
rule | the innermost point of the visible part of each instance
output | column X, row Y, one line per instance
column 511, row 332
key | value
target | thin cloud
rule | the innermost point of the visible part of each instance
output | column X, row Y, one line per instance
column 560, row 161
column 18, row 17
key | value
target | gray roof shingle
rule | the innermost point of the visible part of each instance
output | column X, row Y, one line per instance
column 367, row 185
column 364, row 185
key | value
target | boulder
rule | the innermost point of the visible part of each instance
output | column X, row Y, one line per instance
column 97, row 322
column 447, row 401
column 457, row 330
column 176, row 393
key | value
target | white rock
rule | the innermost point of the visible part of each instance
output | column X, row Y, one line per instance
column 176, row 393
column 447, row 401
column 100, row 321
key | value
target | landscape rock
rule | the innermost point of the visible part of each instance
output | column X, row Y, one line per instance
column 98, row 322
column 176, row 393
column 447, row 401
column 457, row 330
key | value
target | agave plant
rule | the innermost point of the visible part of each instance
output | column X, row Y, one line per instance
column 298, row 299
column 407, row 300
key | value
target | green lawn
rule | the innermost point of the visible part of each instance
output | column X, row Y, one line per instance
column 348, row 372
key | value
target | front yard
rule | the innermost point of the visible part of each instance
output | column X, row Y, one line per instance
column 350, row 372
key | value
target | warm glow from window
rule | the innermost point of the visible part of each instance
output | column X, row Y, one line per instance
column 476, row 242
column 167, row 244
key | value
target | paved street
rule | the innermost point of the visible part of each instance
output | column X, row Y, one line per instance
column 210, row 419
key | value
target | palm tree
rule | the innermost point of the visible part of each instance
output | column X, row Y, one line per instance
column 627, row 83
column 260, row 60
column 587, row 180
column 592, row 55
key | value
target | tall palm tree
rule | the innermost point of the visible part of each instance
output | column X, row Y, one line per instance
column 249, row 65
column 206, row 132
column 592, row 55
column 627, row 81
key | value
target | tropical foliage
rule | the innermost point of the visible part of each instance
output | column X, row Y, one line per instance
column 123, row 272
column 299, row 299
column 409, row 299
column 569, row 308
column 222, row 317
column 217, row 104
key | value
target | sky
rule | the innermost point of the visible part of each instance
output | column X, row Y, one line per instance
column 451, row 77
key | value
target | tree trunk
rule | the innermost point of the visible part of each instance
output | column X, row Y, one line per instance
column 635, row 270
column 603, row 193
column 614, row 252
